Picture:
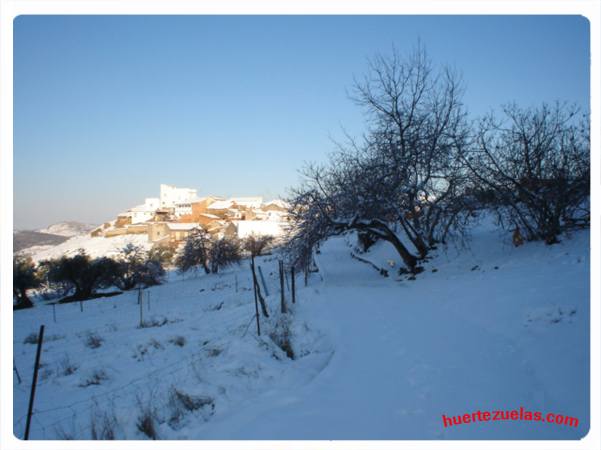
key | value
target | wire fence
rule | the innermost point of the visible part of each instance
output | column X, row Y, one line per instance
column 237, row 322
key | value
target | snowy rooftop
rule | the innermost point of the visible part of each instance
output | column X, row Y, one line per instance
column 278, row 202
column 182, row 226
column 221, row 204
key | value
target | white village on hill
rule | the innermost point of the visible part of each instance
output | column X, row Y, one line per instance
column 170, row 218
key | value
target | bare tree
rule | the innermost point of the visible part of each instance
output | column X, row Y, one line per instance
column 224, row 252
column 256, row 244
column 407, row 170
column 195, row 252
column 535, row 168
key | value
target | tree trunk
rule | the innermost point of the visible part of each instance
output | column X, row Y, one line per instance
column 382, row 230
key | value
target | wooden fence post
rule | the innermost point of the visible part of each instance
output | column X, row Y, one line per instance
column 34, row 381
column 140, row 300
column 81, row 305
column 283, row 299
column 263, row 282
column 252, row 267
column 293, row 282
column 54, row 312
column 16, row 371
column 286, row 278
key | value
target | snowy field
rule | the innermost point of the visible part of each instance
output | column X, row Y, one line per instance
column 485, row 328
column 93, row 246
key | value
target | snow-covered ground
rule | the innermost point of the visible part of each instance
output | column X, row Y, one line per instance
column 68, row 229
column 93, row 246
column 486, row 328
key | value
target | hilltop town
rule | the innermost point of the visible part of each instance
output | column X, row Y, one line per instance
column 171, row 217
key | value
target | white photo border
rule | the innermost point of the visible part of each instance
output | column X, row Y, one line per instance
column 10, row 9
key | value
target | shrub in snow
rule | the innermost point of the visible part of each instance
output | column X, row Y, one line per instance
column 95, row 378
column 31, row 338
column 93, row 340
column 143, row 349
column 179, row 341
column 180, row 403
column 282, row 336
column 213, row 352
column 147, row 418
column 66, row 366
column 103, row 425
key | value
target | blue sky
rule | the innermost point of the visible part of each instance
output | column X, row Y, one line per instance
column 108, row 107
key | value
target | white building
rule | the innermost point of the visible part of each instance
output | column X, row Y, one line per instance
column 248, row 202
column 171, row 196
column 260, row 228
column 145, row 212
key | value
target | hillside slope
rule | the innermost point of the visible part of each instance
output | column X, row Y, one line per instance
column 486, row 328
column 68, row 229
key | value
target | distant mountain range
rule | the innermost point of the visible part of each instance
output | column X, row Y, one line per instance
column 52, row 235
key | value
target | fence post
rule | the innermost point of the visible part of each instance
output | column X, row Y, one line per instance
column 34, row 381
column 263, row 282
column 293, row 282
column 283, row 299
column 54, row 312
column 252, row 267
column 141, row 308
column 81, row 305
column 286, row 277
column 16, row 371
column 148, row 299
column 236, row 280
